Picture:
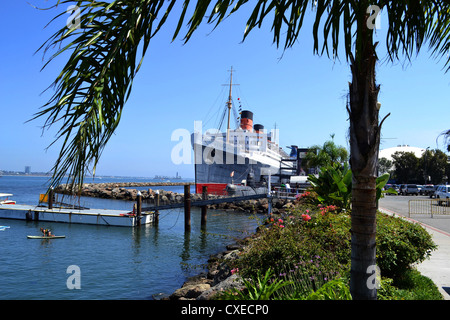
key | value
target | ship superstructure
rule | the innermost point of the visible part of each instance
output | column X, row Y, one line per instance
column 248, row 153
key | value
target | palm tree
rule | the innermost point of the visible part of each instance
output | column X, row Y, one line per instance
column 96, row 81
column 329, row 153
column 446, row 135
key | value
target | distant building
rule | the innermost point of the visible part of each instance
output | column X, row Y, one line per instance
column 27, row 169
column 388, row 152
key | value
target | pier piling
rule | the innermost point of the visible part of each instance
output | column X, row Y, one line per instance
column 187, row 207
column 157, row 204
column 138, row 208
column 50, row 198
column 204, row 208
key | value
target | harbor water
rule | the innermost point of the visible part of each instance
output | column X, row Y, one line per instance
column 105, row 262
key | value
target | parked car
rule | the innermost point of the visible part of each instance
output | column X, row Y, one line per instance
column 396, row 188
column 391, row 186
column 409, row 189
column 443, row 192
column 420, row 188
column 433, row 194
column 428, row 189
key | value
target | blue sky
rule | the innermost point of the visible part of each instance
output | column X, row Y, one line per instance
column 178, row 84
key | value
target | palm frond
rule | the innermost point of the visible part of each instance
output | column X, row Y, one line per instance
column 96, row 81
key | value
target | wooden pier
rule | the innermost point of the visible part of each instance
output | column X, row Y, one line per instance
column 138, row 216
column 187, row 204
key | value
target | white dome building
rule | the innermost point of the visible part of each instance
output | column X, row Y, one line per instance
column 387, row 153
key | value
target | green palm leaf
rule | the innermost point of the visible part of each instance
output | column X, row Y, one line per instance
column 95, row 83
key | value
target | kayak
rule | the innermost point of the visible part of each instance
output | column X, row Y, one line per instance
column 45, row 237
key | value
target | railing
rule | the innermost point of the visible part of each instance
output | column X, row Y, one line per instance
column 431, row 207
column 289, row 193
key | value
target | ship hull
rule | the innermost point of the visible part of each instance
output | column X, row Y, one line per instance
column 231, row 168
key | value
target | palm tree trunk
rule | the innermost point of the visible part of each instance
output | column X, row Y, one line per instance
column 364, row 146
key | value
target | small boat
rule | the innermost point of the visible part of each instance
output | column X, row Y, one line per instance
column 45, row 237
column 6, row 201
column 2, row 228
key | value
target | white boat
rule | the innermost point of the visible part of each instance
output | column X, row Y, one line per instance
column 6, row 200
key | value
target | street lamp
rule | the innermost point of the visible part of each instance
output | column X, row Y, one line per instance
column 426, row 177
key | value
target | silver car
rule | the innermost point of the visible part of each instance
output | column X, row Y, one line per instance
column 411, row 189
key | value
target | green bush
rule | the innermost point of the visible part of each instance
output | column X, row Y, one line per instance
column 259, row 288
column 333, row 186
column 400, row 244
column 411, row 285
column 321, row 246
column 293, row 287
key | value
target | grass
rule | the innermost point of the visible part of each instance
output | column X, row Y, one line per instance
column 412, row 285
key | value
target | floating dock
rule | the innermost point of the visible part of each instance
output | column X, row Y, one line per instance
column 105, row 217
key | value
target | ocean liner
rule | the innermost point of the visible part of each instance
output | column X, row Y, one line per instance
column 246, row 154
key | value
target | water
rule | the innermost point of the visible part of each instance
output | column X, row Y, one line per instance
column 114, row 262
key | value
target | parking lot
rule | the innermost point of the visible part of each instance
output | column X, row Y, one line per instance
column 399, row 205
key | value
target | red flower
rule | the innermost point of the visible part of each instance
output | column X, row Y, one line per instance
column 306, row 217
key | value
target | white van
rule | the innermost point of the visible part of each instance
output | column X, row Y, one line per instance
column 442, row 192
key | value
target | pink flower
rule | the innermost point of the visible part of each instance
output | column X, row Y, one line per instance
column 233, row 271
column 306, row 217
column 280, row 220
column 281, row 226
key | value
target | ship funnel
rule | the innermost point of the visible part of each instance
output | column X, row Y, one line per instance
column 259, row 128
column 247, row 120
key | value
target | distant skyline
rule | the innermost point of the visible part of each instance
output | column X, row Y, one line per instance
column 302, row 94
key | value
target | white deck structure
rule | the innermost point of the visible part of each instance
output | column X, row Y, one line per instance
column 85, row 216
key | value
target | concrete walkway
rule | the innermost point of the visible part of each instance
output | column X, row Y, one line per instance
column 437, row 268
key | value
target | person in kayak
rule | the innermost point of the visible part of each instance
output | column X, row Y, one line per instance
column 46, row 232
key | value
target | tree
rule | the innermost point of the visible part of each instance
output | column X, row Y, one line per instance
column 429, row 168
column 384, row 166
column 406, row 166
column 96, row 81
column 432, row 166
column 328, row 154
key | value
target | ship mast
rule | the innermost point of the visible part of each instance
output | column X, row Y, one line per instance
column 229, row 103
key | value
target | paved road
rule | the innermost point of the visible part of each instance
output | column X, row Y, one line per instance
column 399, row 204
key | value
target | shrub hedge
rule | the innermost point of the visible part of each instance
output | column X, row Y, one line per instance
column 317, row 242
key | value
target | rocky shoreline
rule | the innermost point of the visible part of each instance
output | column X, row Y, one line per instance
column 217, row 279
column 122, row 191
